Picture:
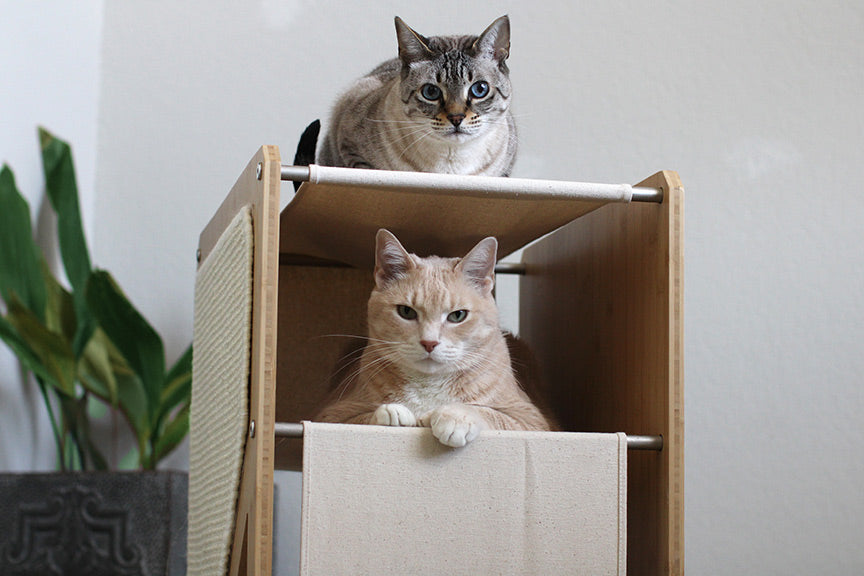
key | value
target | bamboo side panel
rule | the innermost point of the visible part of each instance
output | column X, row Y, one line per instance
column 601, row 306
column 258, row 186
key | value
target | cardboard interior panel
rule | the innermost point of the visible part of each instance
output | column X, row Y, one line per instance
column 338, row 222
column 322, row 320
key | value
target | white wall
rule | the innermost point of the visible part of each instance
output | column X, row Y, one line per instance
column 49, row 76
column 757, row 106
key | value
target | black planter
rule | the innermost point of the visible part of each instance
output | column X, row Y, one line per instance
column 93, row 524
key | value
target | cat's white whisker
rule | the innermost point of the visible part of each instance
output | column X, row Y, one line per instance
column 421, row 130
column 417, row 141
column 390, row 121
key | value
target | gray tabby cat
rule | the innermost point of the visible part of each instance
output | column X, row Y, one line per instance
column 441, row 106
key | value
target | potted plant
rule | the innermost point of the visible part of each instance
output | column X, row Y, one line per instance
column 85, row 346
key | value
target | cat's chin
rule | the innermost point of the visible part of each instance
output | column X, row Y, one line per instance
column 457, row 135
column 428, row 366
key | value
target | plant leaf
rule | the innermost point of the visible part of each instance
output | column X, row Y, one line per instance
column 130, row 460
column 96, row 368
column 132, row 403
column 62, row 190
column 20, row 257
column 52, row 350
column 28, row 358
column 74, row 457
column 91, row 456
column 173, row 434
column 178, row 383
column 133, row 336
column 131, row 397
column 59, row 306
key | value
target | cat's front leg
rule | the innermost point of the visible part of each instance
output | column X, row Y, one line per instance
column 456, row 424
column 394, row 415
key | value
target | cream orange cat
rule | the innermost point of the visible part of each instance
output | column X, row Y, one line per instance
column 435, row 355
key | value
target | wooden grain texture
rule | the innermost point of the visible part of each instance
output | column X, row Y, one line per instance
column 253, row 534
column 601, row 305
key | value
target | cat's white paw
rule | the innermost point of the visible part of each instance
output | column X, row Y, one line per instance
column 394, row 415
column 456, row 425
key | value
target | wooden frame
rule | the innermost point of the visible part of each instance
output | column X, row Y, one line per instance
column 258, row 186
column 601, row 305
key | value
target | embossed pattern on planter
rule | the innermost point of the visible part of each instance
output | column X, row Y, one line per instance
column 92, row 524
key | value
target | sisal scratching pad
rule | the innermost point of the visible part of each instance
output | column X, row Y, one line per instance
column 219, row 413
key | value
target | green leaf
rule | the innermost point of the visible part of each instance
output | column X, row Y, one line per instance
column 129, row 461
column 97, row 366
column 52, row 350
column 97, row 409
column 62, row 190
column 103, row 371
column 90, row 455
column 92, row 409
column 133, row 404
column 20, row 257
column 59, row 306
column 172, row 435
column 178, row 383
column 28, row 358
column 133, row 336
column 74, row 457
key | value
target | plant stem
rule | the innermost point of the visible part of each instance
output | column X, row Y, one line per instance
column 58, row 436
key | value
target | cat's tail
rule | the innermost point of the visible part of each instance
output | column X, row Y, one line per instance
column 305, row 154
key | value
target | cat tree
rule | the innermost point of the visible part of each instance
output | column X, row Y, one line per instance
column 601, row 306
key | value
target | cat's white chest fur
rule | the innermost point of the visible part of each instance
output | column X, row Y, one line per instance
column 424, row 394
column 481, row 154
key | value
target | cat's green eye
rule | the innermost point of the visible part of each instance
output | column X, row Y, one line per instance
column 479, row 89
column 457, row 316
column 430, row 92
column 406, row 312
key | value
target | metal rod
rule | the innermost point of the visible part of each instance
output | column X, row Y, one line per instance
column 303, row 174
column 654, row 195
column 295, row 173
column 645, row 443
column 288, row 430
column 517, row 268
column 293, row 430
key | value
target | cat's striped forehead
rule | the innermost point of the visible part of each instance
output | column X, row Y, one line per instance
column 433, row 286
column 455, row 58
column 449, row 45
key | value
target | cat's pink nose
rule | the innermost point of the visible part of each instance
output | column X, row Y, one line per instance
column 456, row 119
column 428, row 345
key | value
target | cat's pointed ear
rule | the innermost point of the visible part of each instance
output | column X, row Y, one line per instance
column 495, row 40
column 391, row 259
column 412, row 46
column 478, row 266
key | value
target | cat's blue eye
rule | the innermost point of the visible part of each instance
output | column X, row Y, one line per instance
column 457, row 316
column 479, row 89
column 430, row 92
column 406, row 312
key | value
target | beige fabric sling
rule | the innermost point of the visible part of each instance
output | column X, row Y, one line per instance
column 379, row 500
